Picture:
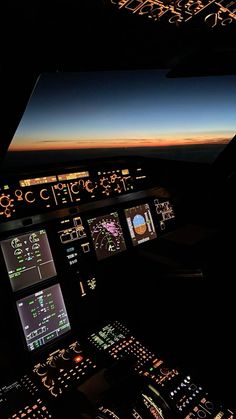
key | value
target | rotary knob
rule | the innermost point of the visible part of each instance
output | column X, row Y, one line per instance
column 164, row 370
column 55, row 390
column 105, row 182
column 60, row 361
column 52, row 362
column 76, row 348
column 89, row 186
column 6, row 201
column 66, row 354
column 48, row 381
column 75, row 188
column 60, row 186
column 41, row 369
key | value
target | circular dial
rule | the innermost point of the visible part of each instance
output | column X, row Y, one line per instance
column 106, row 185
column 90, row 186
column 41, row 369
column 107, row 235
column 5, row 200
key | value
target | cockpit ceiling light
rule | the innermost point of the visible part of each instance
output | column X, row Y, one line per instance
column 211, row 13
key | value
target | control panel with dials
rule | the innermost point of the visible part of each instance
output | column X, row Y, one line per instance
column 28, row 194
column 110, row 374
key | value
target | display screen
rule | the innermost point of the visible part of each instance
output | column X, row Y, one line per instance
column 71, row 176
column 107, row 235
column 37, row 181
column 28, row 259
column 43, row 317
column 140, row 223
column 107, row 336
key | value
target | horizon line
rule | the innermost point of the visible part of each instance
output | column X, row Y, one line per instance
column 186, row 144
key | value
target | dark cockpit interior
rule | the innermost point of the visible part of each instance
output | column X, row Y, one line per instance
column 117, row 223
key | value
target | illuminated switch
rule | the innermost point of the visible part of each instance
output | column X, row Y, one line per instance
column 77, row 359
column 65, row 237
column 85, row 247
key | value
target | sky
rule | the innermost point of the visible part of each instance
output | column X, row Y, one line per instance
column 139, row 108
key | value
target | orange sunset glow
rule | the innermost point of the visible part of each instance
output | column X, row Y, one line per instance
column 26, row 145
column 125, row 110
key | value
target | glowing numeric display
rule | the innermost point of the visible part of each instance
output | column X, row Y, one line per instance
column 37, row 181
column 28, row 259
column 43, row 316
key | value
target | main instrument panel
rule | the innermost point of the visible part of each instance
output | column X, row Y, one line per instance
column 68, row 222
column 56, row 228
column 56, row 231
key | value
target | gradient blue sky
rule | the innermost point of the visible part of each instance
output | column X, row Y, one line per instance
column 126, row 109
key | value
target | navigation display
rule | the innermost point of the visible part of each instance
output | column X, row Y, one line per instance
column 140, row 223
column 28, row 259
column 43, row 317
column 107, row 235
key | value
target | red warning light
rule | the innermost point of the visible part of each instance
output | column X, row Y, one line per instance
column 77, row 359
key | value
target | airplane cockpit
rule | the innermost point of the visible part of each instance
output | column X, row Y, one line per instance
column 117, row 229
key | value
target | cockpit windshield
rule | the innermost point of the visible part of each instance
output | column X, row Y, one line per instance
column 73, row 116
